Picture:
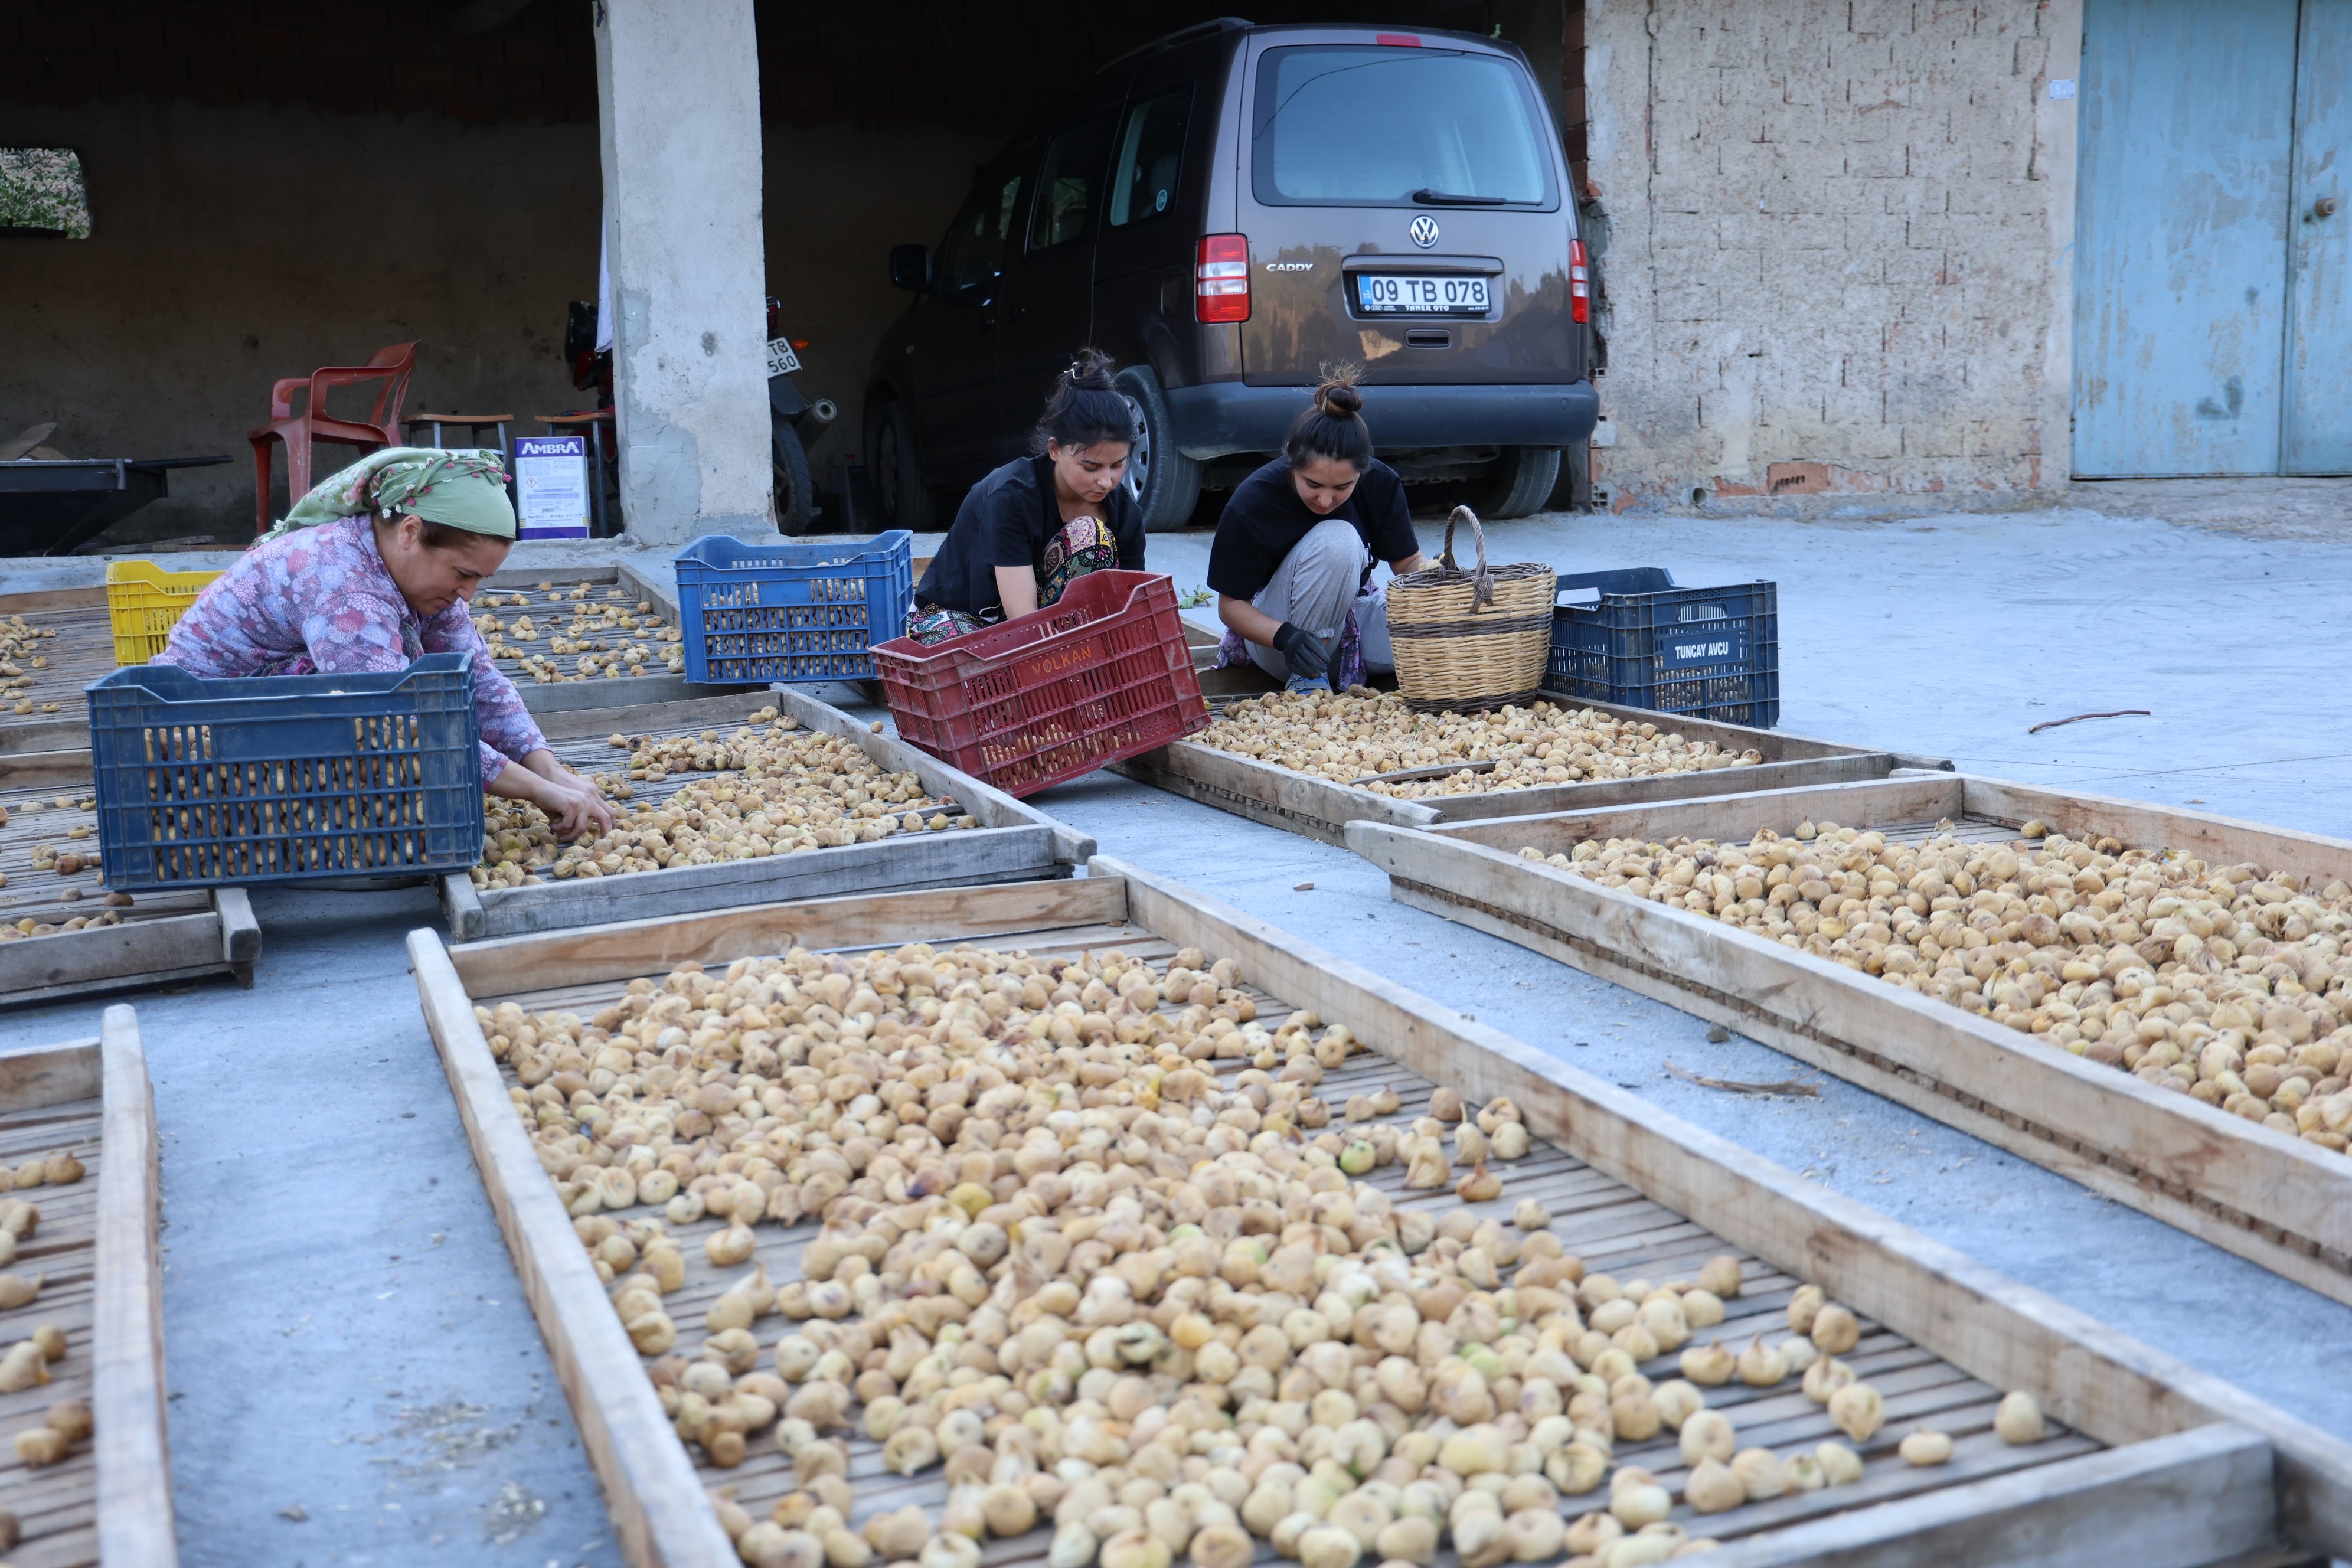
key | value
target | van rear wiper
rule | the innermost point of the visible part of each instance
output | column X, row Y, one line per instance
column 1428, row 197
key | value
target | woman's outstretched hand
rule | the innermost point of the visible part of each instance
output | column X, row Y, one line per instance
column 574, row 806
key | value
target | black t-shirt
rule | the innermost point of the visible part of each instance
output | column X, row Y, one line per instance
column 1266, row 519
column 1006, row 522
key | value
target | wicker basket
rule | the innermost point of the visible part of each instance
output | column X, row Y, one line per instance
column 1468, row 640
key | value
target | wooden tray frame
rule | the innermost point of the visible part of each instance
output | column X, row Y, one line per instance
column 1016, row 841
column 131, row 1448
column 195, row 933
column 2273, row 1199
column 221, row 937
column 62, row 759
column 2182, row 1464
column 1301, row 803
column 550, row 698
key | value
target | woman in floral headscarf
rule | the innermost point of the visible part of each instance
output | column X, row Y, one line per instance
column 373, row 569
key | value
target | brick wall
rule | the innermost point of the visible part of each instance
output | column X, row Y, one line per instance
column 1827, row 242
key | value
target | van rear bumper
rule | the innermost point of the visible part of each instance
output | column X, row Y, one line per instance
column 1221, row 418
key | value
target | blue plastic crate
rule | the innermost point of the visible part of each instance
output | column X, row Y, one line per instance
column 1703, row 652
column 285, row 778
column 791, row 612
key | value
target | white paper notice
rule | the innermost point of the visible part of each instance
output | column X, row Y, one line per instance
column 552, row 485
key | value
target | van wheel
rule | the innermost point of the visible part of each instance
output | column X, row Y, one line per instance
column 899, row 490
column 1165, row 483
column 1518, row 484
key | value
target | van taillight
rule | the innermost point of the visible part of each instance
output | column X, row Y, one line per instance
column 1221, row 286
column 1579, row 283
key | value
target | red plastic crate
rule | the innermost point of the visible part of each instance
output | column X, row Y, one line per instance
column 1101, row 676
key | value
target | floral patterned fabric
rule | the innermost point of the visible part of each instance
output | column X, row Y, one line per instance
column 1084, row 544
column 931, row 625
column 322, row 600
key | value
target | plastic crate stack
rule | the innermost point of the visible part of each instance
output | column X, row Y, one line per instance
column 1101, row 676
column 794, row 613
column 143, row 603
column 285, row 778
column 1703, row 652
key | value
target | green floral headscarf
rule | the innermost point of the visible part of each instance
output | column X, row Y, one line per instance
column 465, row 489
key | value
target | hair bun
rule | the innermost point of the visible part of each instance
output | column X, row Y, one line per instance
column 1338, row 396
column 1090, row 371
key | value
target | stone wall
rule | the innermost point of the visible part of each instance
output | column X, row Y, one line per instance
column 1832, row 236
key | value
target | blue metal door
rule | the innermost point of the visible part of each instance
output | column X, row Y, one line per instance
column 2186, row 138
column 2318, row 327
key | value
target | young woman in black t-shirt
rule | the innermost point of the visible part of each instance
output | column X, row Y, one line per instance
column 1037, row 524
column 1292, row 561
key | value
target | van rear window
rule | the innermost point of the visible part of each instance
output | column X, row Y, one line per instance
column 1341, row 125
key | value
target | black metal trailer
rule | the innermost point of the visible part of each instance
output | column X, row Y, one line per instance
column 50, row 506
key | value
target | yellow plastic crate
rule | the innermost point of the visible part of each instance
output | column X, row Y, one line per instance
column 144, row 602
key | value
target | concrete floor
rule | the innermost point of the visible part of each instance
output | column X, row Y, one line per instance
column 355, row 1379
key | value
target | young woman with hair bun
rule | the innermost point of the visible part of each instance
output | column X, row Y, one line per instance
column 1292, row 561
column 1039, row 523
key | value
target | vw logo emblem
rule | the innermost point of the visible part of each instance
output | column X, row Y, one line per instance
column 1424, row 231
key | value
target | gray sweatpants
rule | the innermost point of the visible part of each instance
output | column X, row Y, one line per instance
column 1313, row 588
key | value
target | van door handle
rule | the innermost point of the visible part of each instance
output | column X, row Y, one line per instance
column 988, row 323
column 1019, row 311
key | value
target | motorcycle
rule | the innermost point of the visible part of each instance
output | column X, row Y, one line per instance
column 795, row 422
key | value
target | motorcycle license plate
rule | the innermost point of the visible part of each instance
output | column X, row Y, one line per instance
column 781, row 360
column 1399, row 294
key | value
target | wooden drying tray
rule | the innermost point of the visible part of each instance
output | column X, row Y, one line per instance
column 2276, row 1200
column 39, row 748
column 1014, row 841
column 164, row 937
column 631, row 691
column 109, row 1504
column 1319, row 808
column 2158, row 1464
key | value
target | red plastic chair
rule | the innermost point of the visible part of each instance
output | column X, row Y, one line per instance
column 381, row 428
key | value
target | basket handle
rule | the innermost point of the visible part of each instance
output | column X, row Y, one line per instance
column 1482, row 591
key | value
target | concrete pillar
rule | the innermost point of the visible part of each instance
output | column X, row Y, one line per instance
column 678, row 84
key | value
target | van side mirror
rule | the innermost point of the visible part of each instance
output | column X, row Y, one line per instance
column 910, row 267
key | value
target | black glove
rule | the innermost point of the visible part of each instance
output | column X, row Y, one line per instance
column 1302, row 649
